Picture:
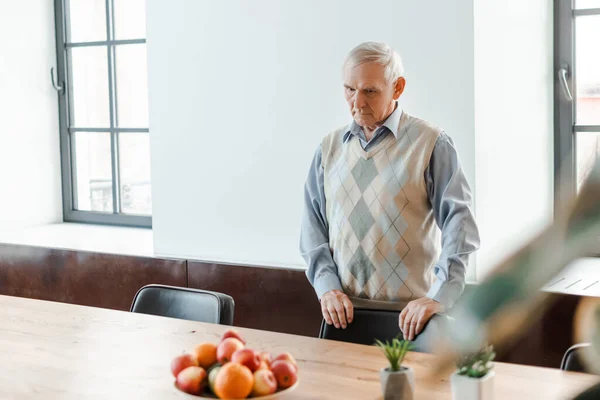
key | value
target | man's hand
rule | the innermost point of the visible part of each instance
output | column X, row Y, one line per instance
column 337, row 309
column 416, row 314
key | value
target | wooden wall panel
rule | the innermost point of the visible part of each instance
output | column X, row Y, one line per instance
column 94, row 279
column 280, row 300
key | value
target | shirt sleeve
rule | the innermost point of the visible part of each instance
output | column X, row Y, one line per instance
column 322, row 272
column 451, row 200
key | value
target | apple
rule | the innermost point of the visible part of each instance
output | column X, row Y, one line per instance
column 191, row 380
column 212, row 376
column 264, row 383
column 266, row 357
column 226, row 348
column 247, row 357
column 181, row 362
column 263, row 365
column 232, row 333
column 286, row 356
column 285, row 373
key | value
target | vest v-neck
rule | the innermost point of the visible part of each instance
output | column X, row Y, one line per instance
column 385, row 142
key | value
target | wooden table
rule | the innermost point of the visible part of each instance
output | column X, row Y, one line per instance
column 61, row 351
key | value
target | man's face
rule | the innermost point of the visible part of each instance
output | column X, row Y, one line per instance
column 370, row 97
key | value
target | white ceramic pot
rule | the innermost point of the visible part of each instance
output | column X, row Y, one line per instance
column 467, row 388
column 397, row 385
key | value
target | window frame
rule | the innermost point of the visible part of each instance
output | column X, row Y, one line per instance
column 65, row 95
column 565, row 128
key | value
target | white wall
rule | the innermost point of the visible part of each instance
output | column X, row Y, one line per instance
column 513, row 123
column 29, row 140
column 241, row 93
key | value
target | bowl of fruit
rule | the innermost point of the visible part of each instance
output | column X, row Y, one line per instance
column 230, row 370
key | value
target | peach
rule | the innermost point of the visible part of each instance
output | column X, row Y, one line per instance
column 206, row 354
column 233, row 334
column 285, row 373
column 264, row 383
column 191, row 380
column 181, row 362
column 226, row 348
column 247, row 357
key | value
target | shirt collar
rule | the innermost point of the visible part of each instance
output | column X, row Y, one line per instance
column 391, row 123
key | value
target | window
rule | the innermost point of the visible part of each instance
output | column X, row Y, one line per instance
column 103, row 105
column 577, row 91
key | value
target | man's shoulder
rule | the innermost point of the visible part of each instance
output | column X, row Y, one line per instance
column 422, row 125
column 334, row 138
column 332, row 141
column 338, row 132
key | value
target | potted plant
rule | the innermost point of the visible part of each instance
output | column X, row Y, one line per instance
column 397, row 381
column 474, row 378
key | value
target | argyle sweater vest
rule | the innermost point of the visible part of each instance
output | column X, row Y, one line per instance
column 382, row 232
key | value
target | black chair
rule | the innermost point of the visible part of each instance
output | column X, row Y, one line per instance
column 184, row 303
column 366, row 326
column 573, row 359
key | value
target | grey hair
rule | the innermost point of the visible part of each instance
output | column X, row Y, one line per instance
column 380, row 53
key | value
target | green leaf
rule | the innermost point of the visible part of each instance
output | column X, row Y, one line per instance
column 394, row 351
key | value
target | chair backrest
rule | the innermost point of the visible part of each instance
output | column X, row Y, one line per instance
column 184, row 303
column 573, row 360
column 366, row 326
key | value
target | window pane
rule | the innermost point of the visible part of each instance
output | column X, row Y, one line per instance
column 132, row 86
column 134, row 163
column 87, row 20
column 587, row 4
column 130, row 19
column 89, row 74
column 588, row 151
column 93, row 171
column 587, row 71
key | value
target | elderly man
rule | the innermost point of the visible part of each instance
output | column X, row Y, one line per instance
column 383, row 195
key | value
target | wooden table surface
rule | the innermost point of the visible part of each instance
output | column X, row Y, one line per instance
column 61, row 351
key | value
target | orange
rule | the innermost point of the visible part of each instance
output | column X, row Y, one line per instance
column 234, row 381
column 206, row 354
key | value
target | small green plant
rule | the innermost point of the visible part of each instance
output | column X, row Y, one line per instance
column 394, row 351
column 476, row 365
